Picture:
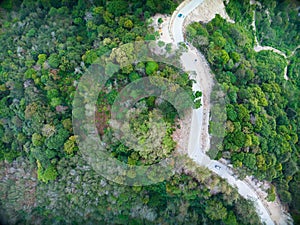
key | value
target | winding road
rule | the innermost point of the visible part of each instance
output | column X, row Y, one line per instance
column 199, row 140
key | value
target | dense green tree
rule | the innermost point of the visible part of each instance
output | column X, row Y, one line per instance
column 37, row 140
column 215, row 210
column 231, row 219
column 70, row 146
column 48, row 174
column 151, row 67
column 117, row 7
column 57, row 140
column 53, row 60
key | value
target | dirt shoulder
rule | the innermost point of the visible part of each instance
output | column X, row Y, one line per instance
column 206, row 11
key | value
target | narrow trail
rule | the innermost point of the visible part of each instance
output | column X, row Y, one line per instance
column 258, row 47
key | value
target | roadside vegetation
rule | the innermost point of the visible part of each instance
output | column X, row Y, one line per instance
column 262, row 128
column 46, row 46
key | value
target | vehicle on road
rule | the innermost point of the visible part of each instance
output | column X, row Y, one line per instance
column 217, row 167
column 180, row 15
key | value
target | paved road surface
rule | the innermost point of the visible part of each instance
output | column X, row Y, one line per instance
column 177, row 30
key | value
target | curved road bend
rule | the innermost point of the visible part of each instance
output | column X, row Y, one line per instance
column 203, row 83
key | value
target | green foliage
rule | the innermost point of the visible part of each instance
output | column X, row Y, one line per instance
column 89, row 57
column 261, row 123
column 41, row 58
column 240, row 11
column 31, row 33
column 32, row 126
column 245, row 211
column 150, row 37
column 197, row 104
column 117, row 7
column 133, row 76
column 48, row 174
column 285, row 196
column 198, row 94
column 282, row 19
column 55, row 102
column 111, row 96
column 249, row 161
column 271, row 194
column 53, row 61
column 153, row 135
column 9, row 154
column 57, row 140
column 70, row 145
column 37, row 140
column 231, row 219
column 151, row 67
column 128, row 24
column 30, row 73
column 6, row 4
column 150, row 204
column 216, row 211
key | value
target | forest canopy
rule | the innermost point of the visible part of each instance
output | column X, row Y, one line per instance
column 46, row 178
column 262, row 128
